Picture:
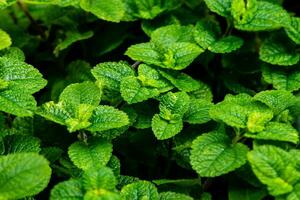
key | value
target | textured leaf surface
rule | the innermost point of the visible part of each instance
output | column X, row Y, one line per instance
column 181, row 80
column 111, row 73
column 22, row 175
column 198, row 112
column 206, row 33
column 278, row 51
column 277, row 100
column 164, row 129
column 110, row 10
column 107, row 117
column 173, row 196
column 275, row 168
column 21, row 143
column 293, row 31
column 213, row 154
column 220, row 7
column 5, row 40
column 68, row 190
column 139, row 190
column 145, row 52
column 226, row 45
column 277, row 131
column 81, row 93
column 101, row 179
column 282, row 79
column 132, row 90
column 234, row 110
column 96, row 152
column 266, row 16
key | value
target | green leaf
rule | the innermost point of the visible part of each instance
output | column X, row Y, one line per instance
column 145, row 52
column 110, row 10
column 211, row 150
column 18, row 104
column 165, row 36
column 71, row 38
column 274, row 167
column 22, row 175
column 81, row 93
column 198, row 112
column 277, row 131
column 226, row 44
column 21, row 143
column 174, row 105
column 282, row 79
column 5, row 39
column 95, row 153
column 139, row 190
column 164, row 129
column 235, row 110
column 133, row 91
column 69, row 190
column 150, row 76
column 111, row 73
column 180, row 80
column 293, row 31
column 20, row 76
column 54, row 112
column 147, row 9
column 278, row 50
column 277, row 100
column 221, row 7
column 99, row 179
column 265, row 16
column 180, row 55
column 173, row 196
column 206, row 33
column 101, row 194
column 107, row 117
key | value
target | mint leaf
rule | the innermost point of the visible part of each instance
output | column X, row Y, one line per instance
column 22, row 175
column 139, row 190
column 164, row 129
column 107, row 10
column 293, row 30
column 96, row 152
column 111, row 73
column 235, row 110
column 198, row 112
column 271, row 166
column 211, row 149
column 220, row 7
column 132, row 90
column 277, row 100
column 173, row 196
column 21, row 143
column 264, row 16
column 107, row 117
column 278, row 50
column 70, row 189
column 277, row 131
column 5, row 39
column 282, row 79
column 226, row 44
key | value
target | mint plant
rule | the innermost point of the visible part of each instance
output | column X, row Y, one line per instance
column 149, row 99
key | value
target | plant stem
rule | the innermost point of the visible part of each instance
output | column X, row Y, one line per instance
column 38, row 28
column 136, row 64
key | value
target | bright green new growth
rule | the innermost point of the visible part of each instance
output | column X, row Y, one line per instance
column 78, row 109
column 5, row 40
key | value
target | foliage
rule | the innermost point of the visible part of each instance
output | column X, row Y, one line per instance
column 149, row 99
